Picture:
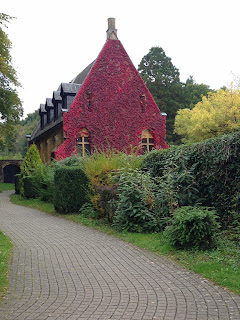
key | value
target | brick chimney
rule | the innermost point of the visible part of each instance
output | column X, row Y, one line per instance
column 111, row 31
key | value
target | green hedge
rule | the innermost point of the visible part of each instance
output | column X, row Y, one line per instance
column 215, row 167
column 17, row 183
column 30, row 188
column 71, row 189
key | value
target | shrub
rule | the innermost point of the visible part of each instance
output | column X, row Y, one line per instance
column 210, row 171
column 30, row 187
column 17, row 183
column 31, row 161
column 43, row 178
column 71, row 189
column 88, row 211
column 134, row 210
column 193, row 227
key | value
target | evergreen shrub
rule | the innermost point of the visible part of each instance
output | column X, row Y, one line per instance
column 193, row 227
column 71, row 189
column 30, row 187
column 17, row 183
column 214, row 169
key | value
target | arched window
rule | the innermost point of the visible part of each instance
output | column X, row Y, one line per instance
column 83, row 143
column 147, row 141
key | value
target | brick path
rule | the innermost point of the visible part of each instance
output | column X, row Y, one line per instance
column 63, row 270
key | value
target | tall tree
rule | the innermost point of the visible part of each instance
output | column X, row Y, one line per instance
column 163, row 80
column 194, row 92
column 10, row 104
column 217, row 114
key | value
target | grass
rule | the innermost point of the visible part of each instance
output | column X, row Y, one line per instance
column 6, row 186
column 5, row 254
column 5, row 250
column 221, row 265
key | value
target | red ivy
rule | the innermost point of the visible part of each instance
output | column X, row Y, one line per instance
column 114, row 105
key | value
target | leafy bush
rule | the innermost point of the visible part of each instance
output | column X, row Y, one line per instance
column 43, row 178
column 101, row 166
column 30, row 188
column 30, row 163
column 134, row 210
column 72, row 161
column 210, row 172
column 193, row 227
column 71, row 189
column 17, row 183
column 88, row 211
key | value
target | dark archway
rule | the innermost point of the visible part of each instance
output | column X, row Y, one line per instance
column 9, row 173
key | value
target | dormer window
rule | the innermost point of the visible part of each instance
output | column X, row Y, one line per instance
column 147, row 141
column 83, row 143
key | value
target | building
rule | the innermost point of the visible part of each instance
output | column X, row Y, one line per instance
column 106, row 106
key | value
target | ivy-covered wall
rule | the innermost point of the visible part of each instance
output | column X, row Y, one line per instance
column 114, row 105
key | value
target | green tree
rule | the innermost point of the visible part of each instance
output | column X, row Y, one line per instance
column 194, row 92
column 10, row 104
column 31, row 161
column 163, row 80
column 217, row 114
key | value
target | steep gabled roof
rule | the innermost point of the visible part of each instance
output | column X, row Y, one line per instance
column 109, row 102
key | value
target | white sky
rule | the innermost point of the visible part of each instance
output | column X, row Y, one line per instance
column 53, row 40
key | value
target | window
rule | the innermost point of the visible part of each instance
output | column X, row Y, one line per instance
column 83, row 144
column 147, row 141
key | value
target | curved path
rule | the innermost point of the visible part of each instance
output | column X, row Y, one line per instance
column 63, row 270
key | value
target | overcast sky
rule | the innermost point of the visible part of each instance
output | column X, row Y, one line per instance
column 53, row 40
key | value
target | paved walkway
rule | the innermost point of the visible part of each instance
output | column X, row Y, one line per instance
column 63, row 270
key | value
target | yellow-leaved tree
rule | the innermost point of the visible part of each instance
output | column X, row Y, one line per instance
column 217, row 114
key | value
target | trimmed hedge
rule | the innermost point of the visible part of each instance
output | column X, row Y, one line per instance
column 215, row 166
column 17, row 183
column 71, row 189
column 29, row 187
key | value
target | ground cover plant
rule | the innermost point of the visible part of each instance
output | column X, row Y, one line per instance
column 6, row 186
column 5, row 250
column 5, row 254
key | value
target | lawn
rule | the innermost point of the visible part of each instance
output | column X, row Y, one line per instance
column 221, row 265
column 5, row 250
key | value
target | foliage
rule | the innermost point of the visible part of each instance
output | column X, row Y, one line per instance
column 5, row 253
column 30, row 163
column 101, row 166
column 72, row 161
column 43, row 179
column 18, row 183
column 71, row 189
column 6, row 186
column 193, row 92
column 217, row 114
column 29, row 187
column 163, row 80
column 10, row 104
column 114, row 105
column 211, row 172
column 134, row 211
column 193, row 227
column 87, row 210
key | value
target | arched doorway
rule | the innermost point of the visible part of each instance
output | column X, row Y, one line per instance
column 9, row 173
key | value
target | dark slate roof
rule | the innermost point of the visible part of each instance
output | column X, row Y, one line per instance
column 83, row 75
column 42, row 108
column 69, row 88
column 56, row 96
column 48, row 103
